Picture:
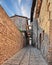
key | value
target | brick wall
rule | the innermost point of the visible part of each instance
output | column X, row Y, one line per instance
column 11, row 39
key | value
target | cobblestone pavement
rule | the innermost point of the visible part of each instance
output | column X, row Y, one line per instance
column 26, row 56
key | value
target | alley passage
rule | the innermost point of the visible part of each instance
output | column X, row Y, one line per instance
column 26, row 56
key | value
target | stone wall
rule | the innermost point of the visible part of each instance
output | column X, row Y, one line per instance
column 50, row 44
column 34, row 23
column 44, row 26
column 20, row 22
column 45, row 29
column 11, row 40
column 50, row 33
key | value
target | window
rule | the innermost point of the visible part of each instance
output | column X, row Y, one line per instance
column 43, row 34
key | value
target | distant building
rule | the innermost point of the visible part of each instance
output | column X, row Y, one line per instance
column 20, row 22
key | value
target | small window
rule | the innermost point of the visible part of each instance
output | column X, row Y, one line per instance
column 40, row 40
column 43, row 34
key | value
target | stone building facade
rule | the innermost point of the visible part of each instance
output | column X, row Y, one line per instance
column 34, row 23
column 20, row 22
column 11, row 40
column 45, row 30
column 43, row 15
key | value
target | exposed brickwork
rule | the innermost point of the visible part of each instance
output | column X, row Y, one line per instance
column 11, row 39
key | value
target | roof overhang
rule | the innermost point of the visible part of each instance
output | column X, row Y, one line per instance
column 37, row 4
column 32, row 9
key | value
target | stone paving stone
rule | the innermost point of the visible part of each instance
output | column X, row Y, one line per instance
column 16, row 58
column 10, row 64
column 27, row 56
column 25, row 60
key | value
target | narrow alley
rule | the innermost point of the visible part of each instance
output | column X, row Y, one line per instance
column 26, row 56
column 25, row 32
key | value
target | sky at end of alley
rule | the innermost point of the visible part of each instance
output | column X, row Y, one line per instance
column 18, row 7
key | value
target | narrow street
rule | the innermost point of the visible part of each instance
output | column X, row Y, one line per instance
column 25, row 32
column 26, row 56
